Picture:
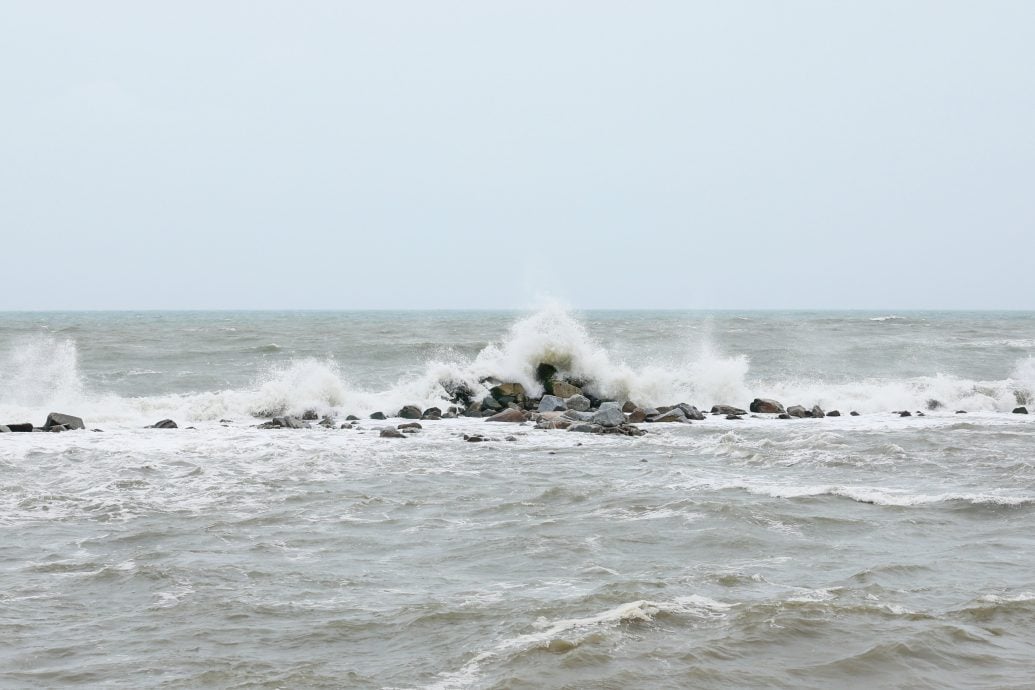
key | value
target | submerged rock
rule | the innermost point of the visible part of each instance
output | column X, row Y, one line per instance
column 853, row 413
column 287, row 422
column 766, row 406
column 432, row 413
column 586, row 428
column 378, row 415
column 1020, row 410
column 553, row 423
column 65, row 420
column 933, row 404
column 905, row 413
column 784, row 415
column 310, row 415
column 164, row 424
column 409, row 425
column 392, row 433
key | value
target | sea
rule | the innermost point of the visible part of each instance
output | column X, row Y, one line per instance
column 867, row 551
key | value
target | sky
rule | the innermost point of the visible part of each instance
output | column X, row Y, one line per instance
column 440, row 155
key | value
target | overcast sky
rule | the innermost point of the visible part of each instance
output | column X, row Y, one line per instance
column 485, row 154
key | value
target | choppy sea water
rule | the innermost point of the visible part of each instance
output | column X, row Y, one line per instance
column 869, row 551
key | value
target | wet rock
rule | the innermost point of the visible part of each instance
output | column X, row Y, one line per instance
column 310, row 415
column 563, row 389
column 4, row 429
column 933, row 404
column 553, row 424
column 409, row 412
column 164, row 424
column 551, row 403
column 392, row 433
column 638, row 415
column 545, row 372
column 65, row 420
column 691, row 412
column 378, row 415
column 578, row 402
column 675, row 414
column 734, row 417
column 458, row 393
column 834, row 413
column 506, row 393
column 586, row 428
column 727, row 409
column 432, row 413
column 1020, row 410
column 629, row 406
column 766, row 406
column 818, row 412
column 905, row 413
column 474, row 438
column 22, row 427
column 784, row 415
column 511, row 415
column 327, row 423
column 57, row 428
column 797, row 411
column 609, row 415
column 853, row 413
column 287, row 422
column 491, row 403
column 961, row 412
column 578, row 416
column 345, row 426
column 352, row 418
column 409, row 425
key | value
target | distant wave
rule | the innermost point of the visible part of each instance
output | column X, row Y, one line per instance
column 891, row 317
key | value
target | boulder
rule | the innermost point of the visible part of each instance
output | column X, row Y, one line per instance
column 284, row 423
column 409, row 425
column 164, row 424
column 563, row 389
column 577, row 402
column 1020, row 410
column 609, row 415
column 510, row 415
column 327, row 422
column 727, row 409
column 22, row 427
column 638, row 415
column 432, row 413
column 853, row 413
column 392, row 433
column 961, row 412
column 551, row 403
column 691, row 412
column 489, row 403
column 817, row 411
column 905, row 413
column 378, row 415
column 57, row 428
column 675, row 414
column 766, row 406
column 553, row 424
column 734, row 416
column 578, row 416
column 65, row 420
column 545, row 372
column 474, row 438
column 410, row 412
column 352, row 418
column 784, row 415
column 506, row 393
column 629, row 406
column 586, row 428
column 797, row 411
column 834, row 413
column 310, row 415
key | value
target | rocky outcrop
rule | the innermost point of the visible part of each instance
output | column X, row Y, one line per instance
column 66, row 420
column 766, row 406
column 509, row 415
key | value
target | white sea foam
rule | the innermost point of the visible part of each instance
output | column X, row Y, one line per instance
column 41, row 373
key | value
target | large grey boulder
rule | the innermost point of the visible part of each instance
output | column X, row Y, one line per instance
column 609, row 415
column 65, row 420
column 766, row 406
column 577, row 402
column 676, row 414
column 508, row 415
column 797, row 411
column 817, row 411
column 551, row 403
column 691, row 412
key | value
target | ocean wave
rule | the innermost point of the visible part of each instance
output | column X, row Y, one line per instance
column 888, row 497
